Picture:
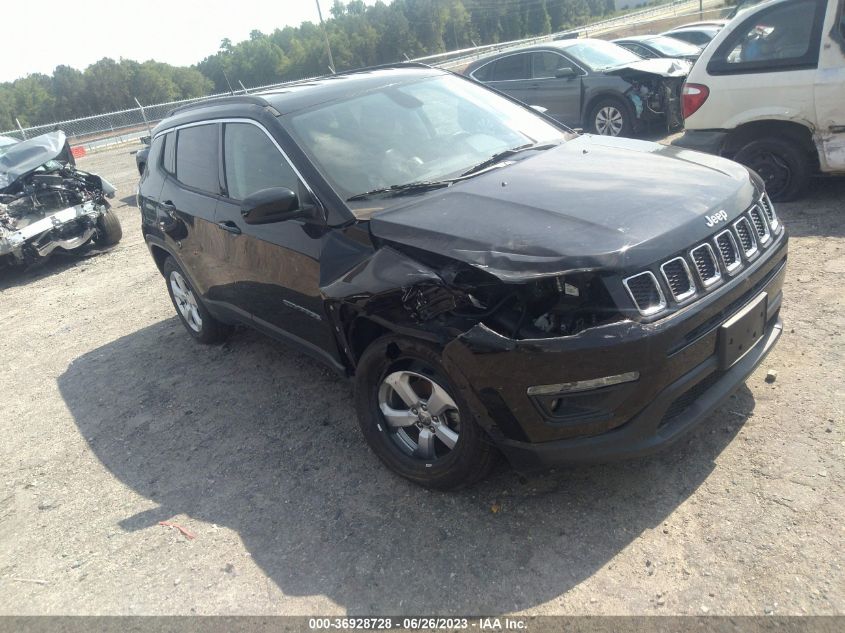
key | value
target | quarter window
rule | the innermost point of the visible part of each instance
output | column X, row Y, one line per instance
column 169, row 161
column 252, row 162
column 196, row 158
column 781, row 38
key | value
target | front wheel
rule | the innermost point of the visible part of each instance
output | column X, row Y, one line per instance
column 415, row 420
column 780, row 163
column 610, row 117
column 109, row 230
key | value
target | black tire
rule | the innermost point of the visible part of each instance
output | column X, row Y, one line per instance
column 602, row 107
column 782, row 164
column 109, row 230
column 209, row 330
column 472, row 456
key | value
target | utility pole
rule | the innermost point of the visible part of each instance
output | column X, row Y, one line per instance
column 326, row 36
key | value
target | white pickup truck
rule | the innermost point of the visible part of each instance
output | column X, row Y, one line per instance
column 769, row 92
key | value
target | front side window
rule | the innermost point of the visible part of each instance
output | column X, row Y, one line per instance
column 252, row 162
column 545, row 65
column 782, row 38
column 431, row 129
column 196, row 158
column 512, row 67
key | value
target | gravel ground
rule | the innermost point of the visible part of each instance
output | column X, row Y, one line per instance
column 114, row 420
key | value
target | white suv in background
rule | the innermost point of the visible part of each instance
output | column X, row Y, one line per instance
column 769, row 92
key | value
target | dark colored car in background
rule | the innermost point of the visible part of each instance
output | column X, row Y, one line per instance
column 657, row 46
column 589, row 83
column 491, row 280
column 697, row 35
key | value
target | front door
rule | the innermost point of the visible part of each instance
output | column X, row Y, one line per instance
column 561, row 96
column 270, row 271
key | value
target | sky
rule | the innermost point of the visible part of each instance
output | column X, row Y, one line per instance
column 179, row 32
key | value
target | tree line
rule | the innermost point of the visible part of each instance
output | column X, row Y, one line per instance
column 359, row 35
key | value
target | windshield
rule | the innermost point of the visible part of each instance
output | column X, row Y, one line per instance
column 599, row 55
column 671, row 47
column 428, row 130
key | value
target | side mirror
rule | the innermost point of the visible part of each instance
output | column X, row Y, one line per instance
column 565, row 73
column 275, row 204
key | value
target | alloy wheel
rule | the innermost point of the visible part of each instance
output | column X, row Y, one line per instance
column 609, row 121
column 422, row 418
column 185, row 301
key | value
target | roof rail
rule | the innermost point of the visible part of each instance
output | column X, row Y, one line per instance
column 250, row 99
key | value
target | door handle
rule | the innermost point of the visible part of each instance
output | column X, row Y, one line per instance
column 229, row 226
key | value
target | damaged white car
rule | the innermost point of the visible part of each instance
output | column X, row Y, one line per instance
column 46, row 203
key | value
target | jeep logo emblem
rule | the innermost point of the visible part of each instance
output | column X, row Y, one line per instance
column 713, row 220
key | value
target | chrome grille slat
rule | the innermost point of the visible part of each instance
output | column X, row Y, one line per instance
column 728, row 250
column 645, row 292
column 760, row 225
column 769, row 210
column 679, row 279
column 746, row 237
column 706, row 266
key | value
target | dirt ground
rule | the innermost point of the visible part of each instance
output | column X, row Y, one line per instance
column 113, row 420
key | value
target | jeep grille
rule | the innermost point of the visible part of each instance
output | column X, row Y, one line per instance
column 723, row 255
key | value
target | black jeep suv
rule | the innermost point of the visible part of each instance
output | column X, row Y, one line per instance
column 493, row 281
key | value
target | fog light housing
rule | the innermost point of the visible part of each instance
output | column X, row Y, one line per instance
column 583, row 385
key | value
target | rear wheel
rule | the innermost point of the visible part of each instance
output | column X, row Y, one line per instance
column 782, row 165
column 414, row 419
column 610, row 117
column 193, row 314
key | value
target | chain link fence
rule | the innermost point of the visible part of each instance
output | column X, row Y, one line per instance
column 112, row 128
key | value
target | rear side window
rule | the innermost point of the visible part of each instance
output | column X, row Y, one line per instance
column 252, row 162
column 785, row 37
column 196, row 158
column 512, row 67
column 485, row 72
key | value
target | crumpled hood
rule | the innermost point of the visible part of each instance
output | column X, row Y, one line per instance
column 591, row 203
column 664, row 67
column 24, row 157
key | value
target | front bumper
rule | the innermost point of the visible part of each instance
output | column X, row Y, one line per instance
column 677, row 359
column 707, row 141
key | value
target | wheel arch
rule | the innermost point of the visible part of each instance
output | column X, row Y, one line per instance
column 159, row 256
column 796, row 132
column 604, row 94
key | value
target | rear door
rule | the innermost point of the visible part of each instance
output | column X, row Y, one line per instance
column 188, row 200
column 830, row 89
column 510, row 74
column 561, row 96
column 270, row 271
